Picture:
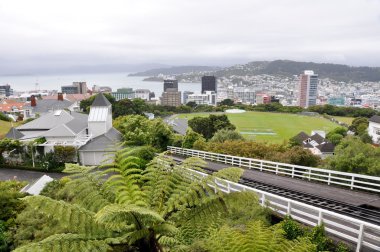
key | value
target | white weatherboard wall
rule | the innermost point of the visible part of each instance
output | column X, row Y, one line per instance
column 99, row 120
column 374, row 131
column 90, row 158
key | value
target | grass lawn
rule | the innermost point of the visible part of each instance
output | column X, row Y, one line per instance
column 273, row 127
column 5, row 127
column 343, row 119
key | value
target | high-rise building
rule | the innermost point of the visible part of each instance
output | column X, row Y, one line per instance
column 70, row 89
column 307, row 89
column 76, row 88
column 7, row 90
column 208, row 84
column 82, row 87
column 170, row 84
column 171, row 98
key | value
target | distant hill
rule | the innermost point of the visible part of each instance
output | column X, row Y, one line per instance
column 289, row 68
column 176, row 70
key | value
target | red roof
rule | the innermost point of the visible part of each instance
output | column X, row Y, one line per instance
column 8, row 105
column 68, row 97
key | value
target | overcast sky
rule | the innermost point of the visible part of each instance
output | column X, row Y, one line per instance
column 46, row 34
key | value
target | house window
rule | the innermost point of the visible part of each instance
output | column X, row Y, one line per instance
column 377, row 131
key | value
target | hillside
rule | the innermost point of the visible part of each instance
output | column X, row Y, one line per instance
column 289, row 68
column 278, row 67
column 176, row 70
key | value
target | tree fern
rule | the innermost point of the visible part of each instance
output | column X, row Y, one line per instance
column 66, row 242
column 161, row 207
column 75, row 218
column 255, row 236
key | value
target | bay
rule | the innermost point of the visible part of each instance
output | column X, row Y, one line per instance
column 27, row 83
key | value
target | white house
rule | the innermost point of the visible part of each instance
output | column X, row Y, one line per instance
column 316, row 143
column 374, row 128
column 93, row 135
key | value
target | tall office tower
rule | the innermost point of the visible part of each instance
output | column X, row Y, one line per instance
column 171, row 98
column 7, row 90
column 170, row 84
column 82, row 87
column 307, row 89
column 208, row 84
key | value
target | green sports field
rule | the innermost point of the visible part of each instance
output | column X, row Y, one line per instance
column 273, row 127
column 347, row 120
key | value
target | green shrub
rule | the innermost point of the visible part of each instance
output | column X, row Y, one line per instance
column 292, row 229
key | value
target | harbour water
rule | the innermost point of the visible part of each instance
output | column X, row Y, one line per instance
column 114, row 80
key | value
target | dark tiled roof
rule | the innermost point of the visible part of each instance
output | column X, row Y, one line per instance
column 105, row 142
column 375, row 119
column 326, row 147
column 307, row 145
column 300, row 137
column 318, row 138
column 44, row 106
column 100, row 101
column 13, row 133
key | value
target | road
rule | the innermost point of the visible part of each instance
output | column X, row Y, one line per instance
column 25, row 175
column 179, row 125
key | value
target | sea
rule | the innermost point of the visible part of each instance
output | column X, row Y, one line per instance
column 25, row 83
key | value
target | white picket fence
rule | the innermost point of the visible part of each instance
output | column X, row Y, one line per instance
column 365, row 235
column 330, row 177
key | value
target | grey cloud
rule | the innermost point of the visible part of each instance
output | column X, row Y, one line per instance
column 42, row 34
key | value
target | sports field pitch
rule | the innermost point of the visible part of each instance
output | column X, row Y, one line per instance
column 273, row 127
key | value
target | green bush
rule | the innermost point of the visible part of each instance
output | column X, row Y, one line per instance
column 292, row 229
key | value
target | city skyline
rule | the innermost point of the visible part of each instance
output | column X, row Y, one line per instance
column 42, row 35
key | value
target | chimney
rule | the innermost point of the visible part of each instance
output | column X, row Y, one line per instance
column 33, row 101
column 60, row 97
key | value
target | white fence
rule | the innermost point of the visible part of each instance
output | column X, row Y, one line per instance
column 365, row 235
column 330, row 177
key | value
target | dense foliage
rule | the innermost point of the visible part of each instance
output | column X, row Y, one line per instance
column 208, row 126
column 4, row 117
column 10, row 206
column 85, row 104
column 139, row 130
column 343, row 111
column 226, row 135
column 152, row 209
column 273, row 152
column 352, row 155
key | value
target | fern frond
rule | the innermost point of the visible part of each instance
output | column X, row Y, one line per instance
column 121, row 217
column 194, row 163
column 66, row 242
column 232, row 174
column 87, row 190
column 75, row 168
column 255, row 236
column 73, row 217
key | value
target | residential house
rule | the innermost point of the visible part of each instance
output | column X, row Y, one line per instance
column 374, row 128
column 93, row 135
column 41, row 107
column 316, row 143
